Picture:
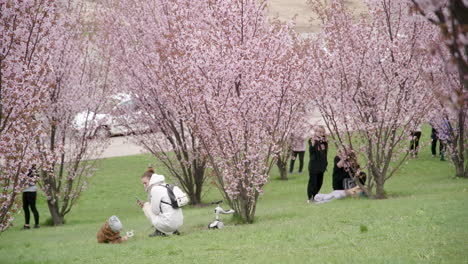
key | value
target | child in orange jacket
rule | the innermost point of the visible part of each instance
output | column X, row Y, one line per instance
column 110, row 231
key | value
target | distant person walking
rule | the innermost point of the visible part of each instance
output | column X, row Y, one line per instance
column 298, row 148
column 29, row 199
column 414, row 143
column 434, row 139
column 446, row 137
column 318, row 148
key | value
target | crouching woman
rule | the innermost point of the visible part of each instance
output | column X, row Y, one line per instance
column 163, row 217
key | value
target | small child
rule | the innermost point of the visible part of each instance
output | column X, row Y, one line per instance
column 110, row 231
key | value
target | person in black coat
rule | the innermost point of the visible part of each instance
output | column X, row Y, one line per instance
column 339, row 174
column 318, row 148
column 345, row 165
column 434, row 139
column 29, row 198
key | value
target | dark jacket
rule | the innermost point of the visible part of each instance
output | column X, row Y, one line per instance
column 339, row 174
column 434, row 134
column 318, row 156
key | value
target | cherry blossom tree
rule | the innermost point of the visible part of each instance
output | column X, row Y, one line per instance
column 149, row 63
column 27, row 39
column 217, row 72
column 81, row 89
column 449, row 120
column 450, row 88
column 370, row 75
column 251, row 79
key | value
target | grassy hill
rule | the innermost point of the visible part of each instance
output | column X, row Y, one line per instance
column 425, row 220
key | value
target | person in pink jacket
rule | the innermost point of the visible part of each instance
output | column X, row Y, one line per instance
column 298, row 147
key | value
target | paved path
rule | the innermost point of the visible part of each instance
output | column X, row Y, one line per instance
column 287, row 9
column 121, row 146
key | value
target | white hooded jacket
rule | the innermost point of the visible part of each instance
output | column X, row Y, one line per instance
column 165, row 218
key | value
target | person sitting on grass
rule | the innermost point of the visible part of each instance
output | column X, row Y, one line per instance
column 163, row 217
column 110, row 231
column 353, row 191
column 345, row 165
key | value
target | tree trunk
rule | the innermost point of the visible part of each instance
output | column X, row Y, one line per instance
column 197, row 196
column 283, row 168
column 57, row 219
column 460, row 165
column 199, row 176
column 460, row 170
column 379, row 187
column 248, row 215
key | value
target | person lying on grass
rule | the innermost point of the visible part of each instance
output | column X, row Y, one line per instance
column 110, row 231
column 352, row 191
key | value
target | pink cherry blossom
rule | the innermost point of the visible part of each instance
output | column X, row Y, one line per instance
column 369, row 72
column 27, row 41
column 218, row 80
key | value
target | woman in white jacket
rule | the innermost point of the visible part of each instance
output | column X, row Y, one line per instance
column 158, row 210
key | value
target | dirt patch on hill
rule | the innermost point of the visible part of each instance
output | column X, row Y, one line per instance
column 287, row 9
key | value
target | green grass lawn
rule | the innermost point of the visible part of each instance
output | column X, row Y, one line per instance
column 425, row 220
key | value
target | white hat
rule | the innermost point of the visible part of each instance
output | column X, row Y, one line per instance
column 156, row 178
column 115, row 224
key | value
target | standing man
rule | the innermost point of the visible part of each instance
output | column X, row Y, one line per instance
column 318, row 148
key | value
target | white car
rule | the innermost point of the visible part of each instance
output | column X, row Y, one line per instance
column 118, row 122
column 95, row 122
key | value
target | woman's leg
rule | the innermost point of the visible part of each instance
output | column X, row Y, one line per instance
column 32, row 204
column 442, row 151
column 293, row 159
column 412, row 142
column 149, row 214
column 326, row 197
column 433, row 146
column 26, row 209
column 418, row 136
column 310, row 185
column 319, row 183
column 315, row 183
column 301, row 161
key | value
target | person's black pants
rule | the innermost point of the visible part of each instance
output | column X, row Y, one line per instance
column 301, row 161
column 415, row 136
column 315, row 183
column 434, row 146
column 29, row 200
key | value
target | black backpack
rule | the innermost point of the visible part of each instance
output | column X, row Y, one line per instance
column 176, row 195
